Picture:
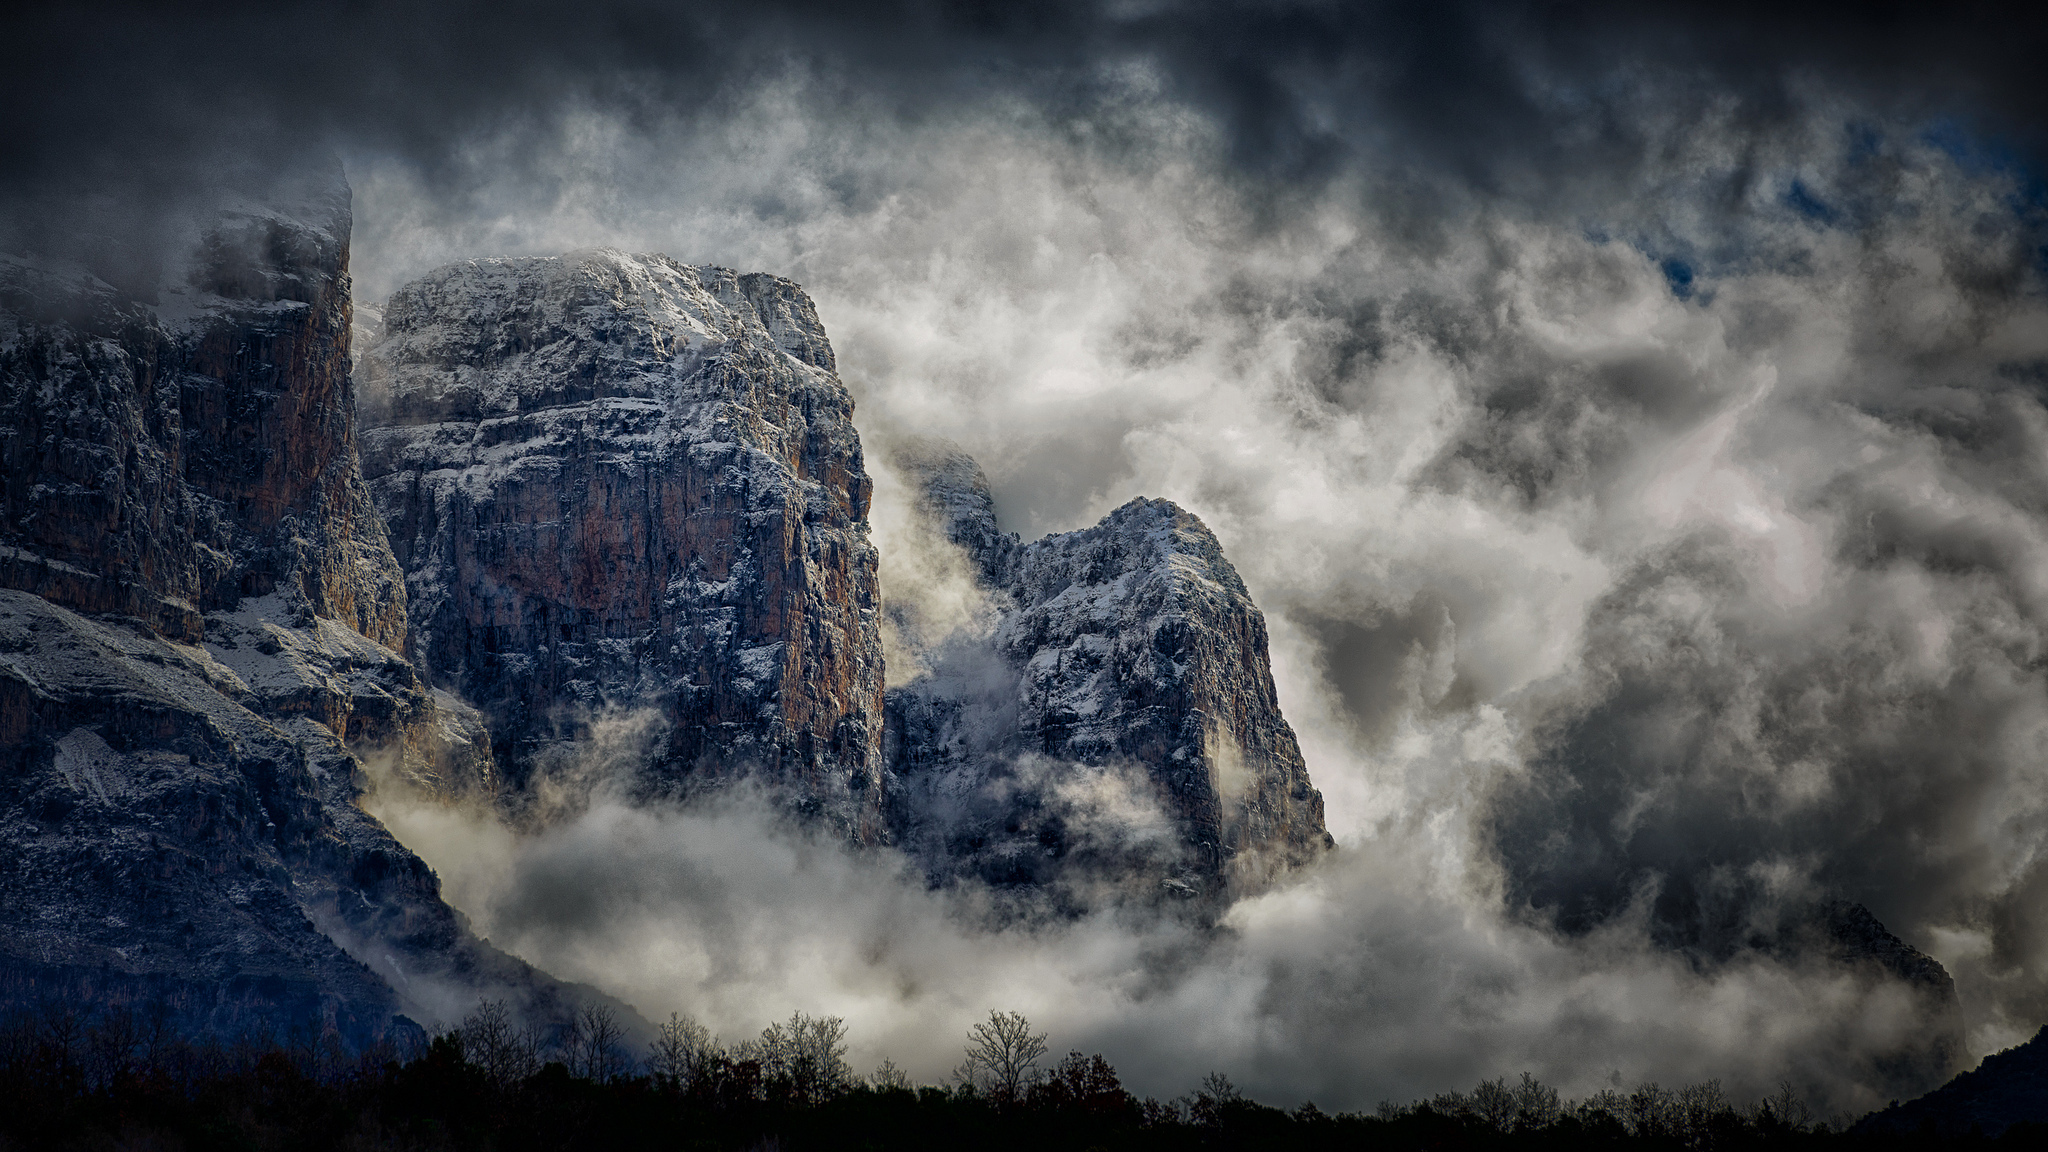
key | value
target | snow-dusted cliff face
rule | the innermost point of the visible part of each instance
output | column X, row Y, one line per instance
column 1112, row 721
column 619, row 482
column 165, row 459
column 200, row 624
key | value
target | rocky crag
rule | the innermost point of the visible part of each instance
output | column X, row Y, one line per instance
column 1850, row 935
column 619, row 484
column 1110, row 719
column 201, row 631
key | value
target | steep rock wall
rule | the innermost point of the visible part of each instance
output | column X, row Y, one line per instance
column 200, row 624
column 159, row 460
column 619, row 482
column 1120, row 677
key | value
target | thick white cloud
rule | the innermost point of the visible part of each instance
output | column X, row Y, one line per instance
column 1740, row 580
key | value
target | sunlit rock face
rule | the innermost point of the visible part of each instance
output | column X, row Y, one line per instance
column 201, row 627
column 1109, row 725
column 623, row 485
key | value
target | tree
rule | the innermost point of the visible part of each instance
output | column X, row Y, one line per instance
column 1002, row 1056
column 1215, row 1096
column 491, row 1040
column 1536, row 1103
column 590, row 1044
column 806, row 1057
column 1786, row 1107
column 1493, row 1103
column 1085, row 1084
column 678, row 1053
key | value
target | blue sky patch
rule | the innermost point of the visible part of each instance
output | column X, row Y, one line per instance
column 1803, row 201
column 1678, row 274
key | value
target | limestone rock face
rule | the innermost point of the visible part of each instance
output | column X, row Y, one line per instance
column 163, row 460
column 622, row 483
column 1112, row 722
column 201, row 628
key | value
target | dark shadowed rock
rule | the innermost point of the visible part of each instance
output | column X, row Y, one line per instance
column 1849, row 934
column 201, row 626
column 618, row 482
column 164, row 460
column 1111, row 722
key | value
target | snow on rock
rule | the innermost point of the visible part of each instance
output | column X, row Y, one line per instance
column 1115, row 724
column 619, row 481
column 201, row 630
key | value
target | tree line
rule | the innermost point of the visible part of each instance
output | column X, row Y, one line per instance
column 123, row 1079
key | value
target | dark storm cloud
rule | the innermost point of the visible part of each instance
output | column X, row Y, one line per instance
column 1631, row 423
column 1511, row 98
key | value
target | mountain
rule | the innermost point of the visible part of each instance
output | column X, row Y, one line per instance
column 202, row 633
column 621, row 486
column 1109, row 720
column 597, row 513
column 628, row 497
column 2008, row 1088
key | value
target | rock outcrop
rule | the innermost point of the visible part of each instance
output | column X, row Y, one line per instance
column 1849, row 934
column 201, row 626
column 618, row 483
column 1111, row 720
column 161, row 460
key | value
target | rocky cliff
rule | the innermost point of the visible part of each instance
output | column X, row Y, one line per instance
column 200, row 630
column 618, row 483
column 1110, row 720
column 1849, row 934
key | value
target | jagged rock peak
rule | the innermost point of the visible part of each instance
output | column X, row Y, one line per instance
column 953, row 493
column 619, row 482
column 1131, row 647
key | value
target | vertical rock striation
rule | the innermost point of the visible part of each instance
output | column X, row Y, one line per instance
column 161, row 460
column 1114, row 720
column 200, row 630
column 618, row 482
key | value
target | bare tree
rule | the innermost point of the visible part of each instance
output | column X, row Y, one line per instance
column 889, row 1077
column 677, row 1054
column 806, row 1057
column 1536, row 1103
column 1002, row 1056
column 1648, row 1111
column 591, row 1045
column 1493, row 1103
column 1786, row 1106
column 1215, row 1095
column 1696, row 1109
column 492, row 1041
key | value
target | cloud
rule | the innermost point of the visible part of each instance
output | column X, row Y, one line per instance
column 1350, row 986
column 1615, row 621
column 1631, row 425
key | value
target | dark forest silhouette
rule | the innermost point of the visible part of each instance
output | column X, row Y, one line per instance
column 124, row 1079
